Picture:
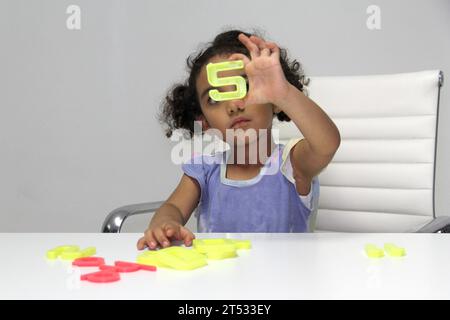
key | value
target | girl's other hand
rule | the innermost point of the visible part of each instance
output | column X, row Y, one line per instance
column 162, row 235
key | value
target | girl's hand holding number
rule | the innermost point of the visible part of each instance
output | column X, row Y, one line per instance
column 267, row 83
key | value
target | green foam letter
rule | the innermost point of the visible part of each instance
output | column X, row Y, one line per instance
column 212, row 69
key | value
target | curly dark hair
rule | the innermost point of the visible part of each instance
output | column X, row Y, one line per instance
column 181, row 106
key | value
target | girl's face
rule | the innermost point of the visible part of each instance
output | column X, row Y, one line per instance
column 222, row 115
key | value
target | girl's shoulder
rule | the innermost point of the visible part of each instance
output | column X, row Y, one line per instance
column 202, row 166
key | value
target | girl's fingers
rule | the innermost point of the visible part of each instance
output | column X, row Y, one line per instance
column 187, row 236
column 274, row 49
column 266, row 47
column 141, row 243
column 250, row 45
column 240, row 56
column 161, row 238
column 172, row 231
column 169, row 230
column 257, row 45
column 150, row 239
column 265, row 52
column 263, row 45
column 259, row 42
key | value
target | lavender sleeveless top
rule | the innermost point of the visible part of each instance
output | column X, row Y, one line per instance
column 268, row 202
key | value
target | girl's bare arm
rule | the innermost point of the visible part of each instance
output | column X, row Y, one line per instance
column 168, row 222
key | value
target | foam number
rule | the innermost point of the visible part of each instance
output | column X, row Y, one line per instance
column 69, row 252
column 179, row 258
column 218, row 249
column 212, row 70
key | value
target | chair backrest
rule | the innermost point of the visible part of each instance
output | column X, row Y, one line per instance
column 382, row 177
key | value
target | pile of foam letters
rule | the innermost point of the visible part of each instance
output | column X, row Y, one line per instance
column 178, row 258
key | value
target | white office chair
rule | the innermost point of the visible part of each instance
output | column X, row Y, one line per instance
column 382, row 178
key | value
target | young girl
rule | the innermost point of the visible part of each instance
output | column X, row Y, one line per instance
column 243, row 196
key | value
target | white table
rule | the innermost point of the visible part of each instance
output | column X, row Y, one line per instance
column 279, row 266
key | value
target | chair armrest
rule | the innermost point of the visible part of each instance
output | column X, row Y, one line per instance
column 438, row 225
column 114, row 220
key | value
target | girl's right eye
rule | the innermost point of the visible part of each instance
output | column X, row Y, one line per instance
column 212, row 101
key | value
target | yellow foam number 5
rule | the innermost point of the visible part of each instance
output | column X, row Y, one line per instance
column 212, row 69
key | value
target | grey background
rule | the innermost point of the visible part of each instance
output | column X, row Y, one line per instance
column 78, row 132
